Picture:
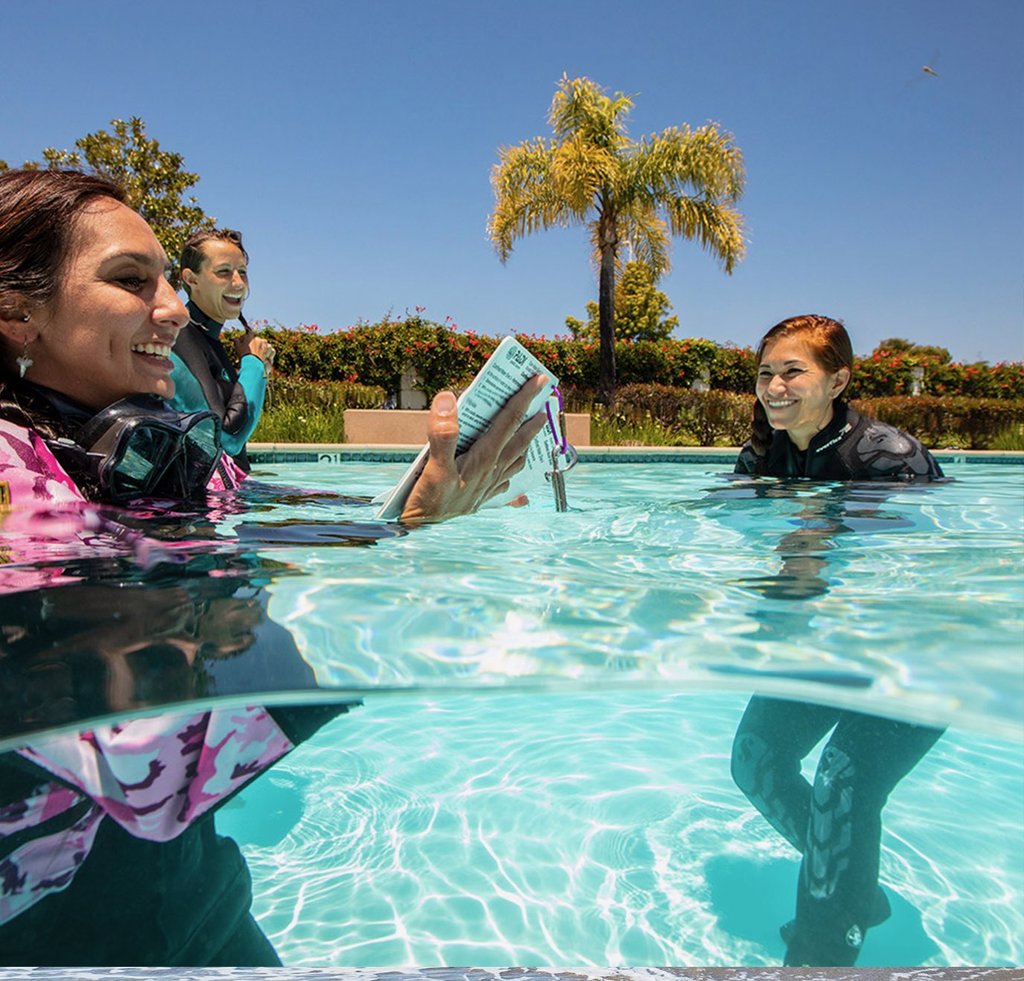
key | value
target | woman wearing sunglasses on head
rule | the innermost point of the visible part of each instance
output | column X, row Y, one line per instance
column 108, row 852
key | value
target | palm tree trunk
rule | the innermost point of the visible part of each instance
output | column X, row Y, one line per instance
column 606, row 311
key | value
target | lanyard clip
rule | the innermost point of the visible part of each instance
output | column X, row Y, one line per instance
column 561, row 448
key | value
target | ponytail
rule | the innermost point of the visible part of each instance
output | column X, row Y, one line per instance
column 760, row 434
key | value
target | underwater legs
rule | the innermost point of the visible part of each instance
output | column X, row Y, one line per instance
column 836, row 823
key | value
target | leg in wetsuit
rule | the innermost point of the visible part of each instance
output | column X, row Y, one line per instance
column 836, row 824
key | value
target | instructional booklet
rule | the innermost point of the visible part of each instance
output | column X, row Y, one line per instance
column 502, row 375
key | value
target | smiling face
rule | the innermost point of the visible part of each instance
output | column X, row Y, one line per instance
column 796, row 391
column 109, row 331
column 221, row 285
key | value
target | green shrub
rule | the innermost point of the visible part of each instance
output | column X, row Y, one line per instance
column 948, row 423
column 687, row 418
column 301, row 411
column 1009, row 439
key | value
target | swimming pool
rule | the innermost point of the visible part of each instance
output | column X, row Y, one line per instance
column 553, row 785
column 540, row 769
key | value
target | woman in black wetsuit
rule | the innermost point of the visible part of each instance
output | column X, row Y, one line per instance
column 802, row 428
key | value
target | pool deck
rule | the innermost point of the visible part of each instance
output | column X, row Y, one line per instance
column 404, row 453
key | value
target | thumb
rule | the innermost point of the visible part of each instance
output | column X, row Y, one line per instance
column 443, row 427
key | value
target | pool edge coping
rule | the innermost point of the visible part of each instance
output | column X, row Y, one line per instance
column 332, row 453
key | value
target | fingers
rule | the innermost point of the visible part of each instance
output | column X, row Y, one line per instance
column 443, row 429
column 523, row 437
column 506, row 423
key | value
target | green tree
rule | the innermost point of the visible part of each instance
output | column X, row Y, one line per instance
column 641, row 309
column 154, row 180
column 678, row 182
column 900, row 345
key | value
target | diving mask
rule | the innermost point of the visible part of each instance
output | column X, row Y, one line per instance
column 140, row 448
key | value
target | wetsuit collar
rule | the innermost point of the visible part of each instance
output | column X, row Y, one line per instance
column 785, row 460
column 834, row 431
column 211, row 326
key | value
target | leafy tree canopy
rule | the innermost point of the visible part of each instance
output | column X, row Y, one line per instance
column 154, row 180
column 641, row 309
column 899, row 345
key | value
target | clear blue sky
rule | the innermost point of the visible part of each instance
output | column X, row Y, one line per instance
column 352, row 143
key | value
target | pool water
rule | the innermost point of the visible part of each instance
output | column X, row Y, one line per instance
column 540, row 769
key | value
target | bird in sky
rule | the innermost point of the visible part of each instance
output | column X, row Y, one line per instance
column 928, row 70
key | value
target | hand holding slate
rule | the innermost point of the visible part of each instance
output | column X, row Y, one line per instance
column 451, row 485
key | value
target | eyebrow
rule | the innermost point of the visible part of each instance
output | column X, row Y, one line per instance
column 768, row 364
column 142, row 258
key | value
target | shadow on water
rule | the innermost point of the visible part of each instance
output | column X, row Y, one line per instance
column 733, row 880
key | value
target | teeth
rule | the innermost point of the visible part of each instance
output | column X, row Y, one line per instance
column 780, row 405
column 163, row 350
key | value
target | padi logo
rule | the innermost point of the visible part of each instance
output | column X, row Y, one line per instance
column 518, row 356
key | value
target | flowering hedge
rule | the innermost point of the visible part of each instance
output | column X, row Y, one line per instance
column 446, row 357
column 688, row 418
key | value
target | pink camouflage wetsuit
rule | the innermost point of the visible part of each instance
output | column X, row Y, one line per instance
column 108, row 854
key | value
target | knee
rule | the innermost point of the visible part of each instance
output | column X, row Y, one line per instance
column 749, row 753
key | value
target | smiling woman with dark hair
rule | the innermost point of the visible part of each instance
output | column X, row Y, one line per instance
column 108, row 851
column 215, row 274
column 803, row 429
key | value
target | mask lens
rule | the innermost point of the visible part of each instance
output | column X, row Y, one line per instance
column 147, row 454
column 164, row 458
column 202, row 450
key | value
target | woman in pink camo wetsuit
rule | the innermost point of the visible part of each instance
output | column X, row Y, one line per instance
column 108, row 852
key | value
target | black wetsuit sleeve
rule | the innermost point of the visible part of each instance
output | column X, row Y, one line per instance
column 300, row 722
column 879, row 451
column 236, row 410
column 747, row 461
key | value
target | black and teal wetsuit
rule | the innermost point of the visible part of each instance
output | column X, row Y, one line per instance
column 204, row 377
column 836, row 821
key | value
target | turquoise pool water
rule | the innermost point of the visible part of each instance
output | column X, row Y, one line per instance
column 540, row 771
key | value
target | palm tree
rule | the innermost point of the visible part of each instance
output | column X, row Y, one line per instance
column 677, row 182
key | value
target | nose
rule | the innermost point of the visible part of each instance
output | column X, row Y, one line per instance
column 168, row 310
column 775, row 384
column 238, row 280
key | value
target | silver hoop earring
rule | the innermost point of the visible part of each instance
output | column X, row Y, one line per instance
column 24, row 362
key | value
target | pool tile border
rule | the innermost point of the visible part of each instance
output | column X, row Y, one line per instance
column 334, row 453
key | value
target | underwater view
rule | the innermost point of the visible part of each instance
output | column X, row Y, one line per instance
column 550, row 753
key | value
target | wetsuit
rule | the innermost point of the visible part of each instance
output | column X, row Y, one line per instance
column 205, row 377
column 836, row 822
column 850, row 447
column 108, row 851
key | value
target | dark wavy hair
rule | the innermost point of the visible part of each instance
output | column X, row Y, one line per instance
column 829, row 344
column 38, row 216
column 39, row 211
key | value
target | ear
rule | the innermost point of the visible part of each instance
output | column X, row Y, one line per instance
column 19, row 320
column 839, row 383
column 189, row 278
